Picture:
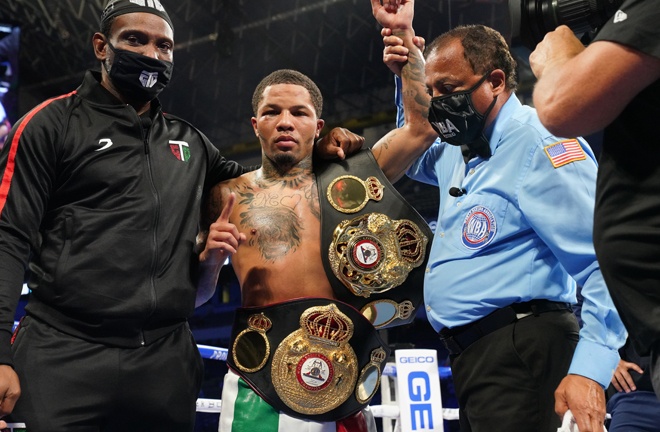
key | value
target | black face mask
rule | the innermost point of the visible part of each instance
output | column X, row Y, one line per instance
column 138, row 77
column 458, row 123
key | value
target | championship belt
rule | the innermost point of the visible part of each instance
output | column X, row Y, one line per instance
column 313, row 358
column 377, row 245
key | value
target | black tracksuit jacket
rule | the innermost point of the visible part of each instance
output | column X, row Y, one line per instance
column 106, row 213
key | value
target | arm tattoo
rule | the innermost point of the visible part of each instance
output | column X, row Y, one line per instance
column 414, row 72
column 213, row 208
column 384, row 145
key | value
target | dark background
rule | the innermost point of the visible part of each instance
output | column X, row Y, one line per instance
column 223, row 49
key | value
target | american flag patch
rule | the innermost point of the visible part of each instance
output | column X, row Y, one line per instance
column 565, row 152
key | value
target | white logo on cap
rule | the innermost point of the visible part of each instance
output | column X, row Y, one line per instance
column 150, row 3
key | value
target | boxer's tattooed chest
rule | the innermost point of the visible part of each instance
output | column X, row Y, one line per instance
column 273, row 214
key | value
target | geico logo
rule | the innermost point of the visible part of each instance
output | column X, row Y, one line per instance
column 419, row 386
column 428, row 359
column 419, row 390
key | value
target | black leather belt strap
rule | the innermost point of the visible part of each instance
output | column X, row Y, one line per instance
column 285, row 319
column 458, row 339
column 363, row 165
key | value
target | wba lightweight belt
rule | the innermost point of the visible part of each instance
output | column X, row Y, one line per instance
column 375, row 245
column 314, row 358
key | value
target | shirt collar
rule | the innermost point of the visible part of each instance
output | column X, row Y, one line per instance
column 496, row 129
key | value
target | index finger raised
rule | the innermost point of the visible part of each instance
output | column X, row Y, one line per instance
column 228, row 208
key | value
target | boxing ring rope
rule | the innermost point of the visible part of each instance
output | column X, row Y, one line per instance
column 379, row 411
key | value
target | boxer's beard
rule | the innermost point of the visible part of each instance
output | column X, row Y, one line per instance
column 283, row 160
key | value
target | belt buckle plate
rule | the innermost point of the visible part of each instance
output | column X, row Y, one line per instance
column 314, row 369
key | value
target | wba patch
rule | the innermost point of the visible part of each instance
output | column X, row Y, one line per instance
column 479, row 227
column 565, row 152
column 180, row 150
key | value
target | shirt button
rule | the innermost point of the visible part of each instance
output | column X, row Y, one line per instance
column 472, row 171
column 428, row 308
column 428, row 270
column 442, row 234
column 458, row 204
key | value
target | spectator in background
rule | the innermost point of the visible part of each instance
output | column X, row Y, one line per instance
column 614, row 84
column 4, row 125
column 631, row 400
column 9, row 50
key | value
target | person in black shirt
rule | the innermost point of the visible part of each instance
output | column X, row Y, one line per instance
column 614, row 84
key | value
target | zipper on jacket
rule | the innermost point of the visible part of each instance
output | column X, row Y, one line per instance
column 145, row 123
column 145, row 130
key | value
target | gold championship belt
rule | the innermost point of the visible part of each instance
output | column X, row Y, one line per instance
column 323, row 366
column 372, row 254
column 377, row 244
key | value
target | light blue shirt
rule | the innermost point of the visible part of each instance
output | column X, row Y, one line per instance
column 522, row 231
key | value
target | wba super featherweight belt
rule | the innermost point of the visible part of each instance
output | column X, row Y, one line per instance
column 315, row 358
column 377, row 245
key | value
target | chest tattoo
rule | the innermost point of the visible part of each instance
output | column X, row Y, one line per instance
column 273, row 218
column 312, row 197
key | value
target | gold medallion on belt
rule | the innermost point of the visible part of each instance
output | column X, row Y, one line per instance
column 372, row 253
column 350, row 194
column 314, row 369
column 251, row 347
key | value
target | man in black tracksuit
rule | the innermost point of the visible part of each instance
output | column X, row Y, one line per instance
column 100, row 192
